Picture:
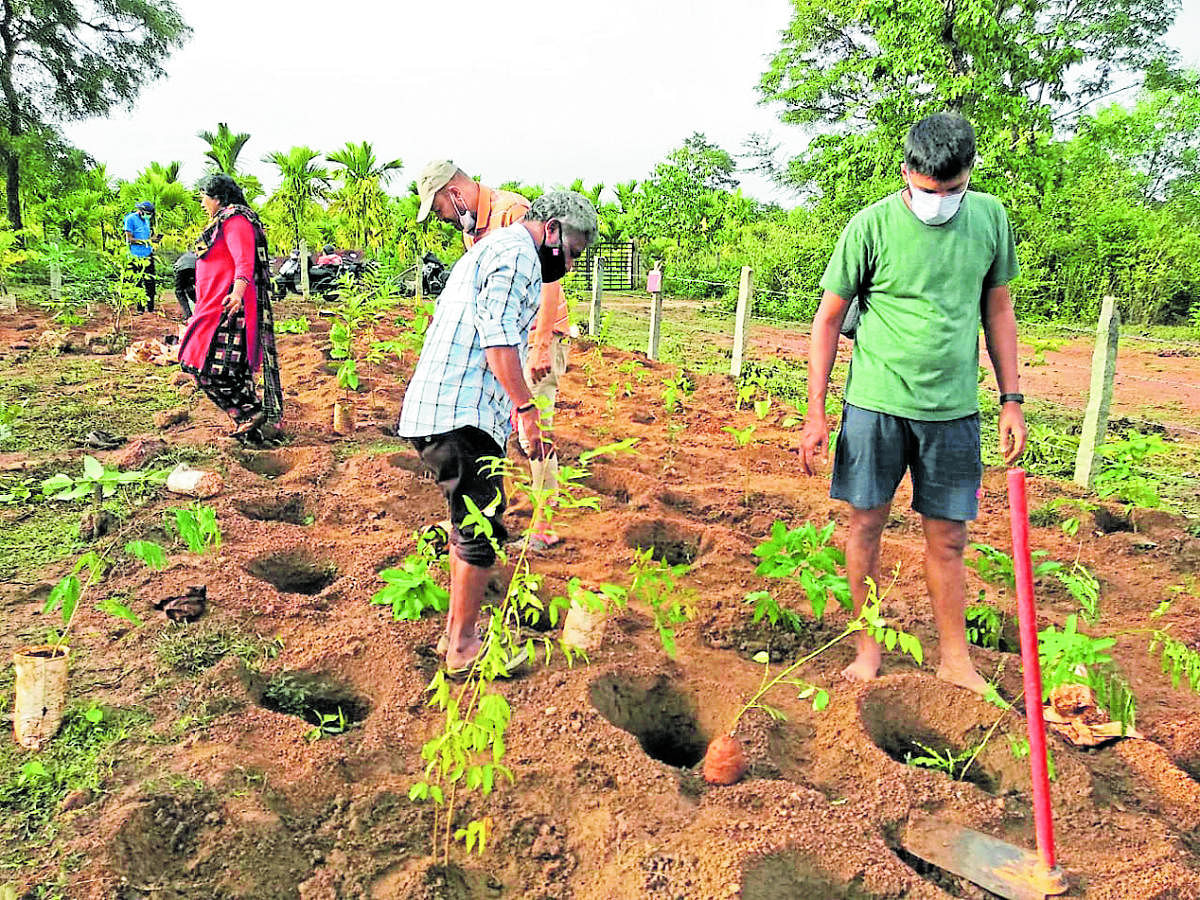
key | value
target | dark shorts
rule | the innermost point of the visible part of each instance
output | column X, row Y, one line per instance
column 874, row 450
column 455, row 460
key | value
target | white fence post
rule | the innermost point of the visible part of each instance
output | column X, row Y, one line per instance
column 1104, row 368
column 597, row 298
column 304, row 284
column 741, row 322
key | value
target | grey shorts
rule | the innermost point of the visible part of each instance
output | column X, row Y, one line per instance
column 874, row 450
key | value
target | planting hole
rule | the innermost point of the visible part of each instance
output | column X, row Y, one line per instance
column 293, row 572
column 311, row 697
column 910, row 719
column 410, row 462
column 661, row 718
column 287, row 508
column 268, row 463
column 1109, row 522
column 670, row 542
column 788, row 875
column 611, row 481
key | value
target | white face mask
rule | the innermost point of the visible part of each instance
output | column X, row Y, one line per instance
column 935, row 209
column 466, row 218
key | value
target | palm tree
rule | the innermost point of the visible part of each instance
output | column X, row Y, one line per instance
column 169, row 173
column 361, row 196
column 224, row 146
column 302, row 183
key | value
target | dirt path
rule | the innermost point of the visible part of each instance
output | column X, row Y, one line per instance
column 217, row 795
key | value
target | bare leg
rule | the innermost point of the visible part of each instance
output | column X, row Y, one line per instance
column 467, row 586
column 946, row 577
column 862, row 562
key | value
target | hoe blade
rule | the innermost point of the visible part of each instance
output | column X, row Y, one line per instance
column 992, row 864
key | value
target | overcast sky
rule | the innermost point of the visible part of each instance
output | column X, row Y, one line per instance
column 539, row 92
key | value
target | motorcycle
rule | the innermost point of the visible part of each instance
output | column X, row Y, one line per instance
column 322, row 279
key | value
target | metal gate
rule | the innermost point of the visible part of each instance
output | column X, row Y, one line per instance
column 621, row 266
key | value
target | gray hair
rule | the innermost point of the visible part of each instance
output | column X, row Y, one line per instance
column 572, row 209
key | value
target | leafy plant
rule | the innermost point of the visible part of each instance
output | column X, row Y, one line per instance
column 953, row 764
column 411, row 590
column 1083, row 586
column 869, row 620
column 196, row 525
column 655, row 583
column 996, row 567
column 985, row 625
column 70, row 591
column 766, row 606
column 9, row 414
column 674, row 389
column 327, row 724
column 298, row 325
column 467, row 754
column 762, row 408
column 97, row 477
column 1120, row 476
column 805, row 555
column 1040, row 346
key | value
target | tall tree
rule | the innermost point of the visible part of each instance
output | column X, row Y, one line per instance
column 860, row 73
column 303, row 182
column 682, row 197
column 71, row 59
column 362, row 197
column 224, row 146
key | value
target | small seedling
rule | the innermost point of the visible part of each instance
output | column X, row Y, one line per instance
column 655, row 583
column 298, row 325
column 762, row 408
column 985, row 624
column 96, row 477
column 410, row 589
column 766, row 606
column 953, row 764
column 196, row 525
column 327, row 724
column 805, row 555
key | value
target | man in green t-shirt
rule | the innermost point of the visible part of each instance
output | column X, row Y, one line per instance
column 928, row 266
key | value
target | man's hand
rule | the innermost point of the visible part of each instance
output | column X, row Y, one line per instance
column 530, row 424
column 1012, row 432
column 537, row 373
column 814, row 443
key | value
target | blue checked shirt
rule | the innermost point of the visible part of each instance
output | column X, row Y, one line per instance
column 490, row 300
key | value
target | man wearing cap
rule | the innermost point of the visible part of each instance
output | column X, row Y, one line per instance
column 458, row 200
column 458, row 406
column 138, row 234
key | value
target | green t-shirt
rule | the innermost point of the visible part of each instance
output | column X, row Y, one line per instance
column 916, row 354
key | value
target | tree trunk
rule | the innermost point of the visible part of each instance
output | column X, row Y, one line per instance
column 12, row 187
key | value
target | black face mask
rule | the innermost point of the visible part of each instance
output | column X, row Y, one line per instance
column 554, row 259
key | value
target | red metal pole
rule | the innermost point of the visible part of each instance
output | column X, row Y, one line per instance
column 1043, row 815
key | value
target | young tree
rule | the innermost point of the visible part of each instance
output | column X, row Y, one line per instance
column 361, row 197
column 224, row 146
column 303, row 183
column 681, row 198
column 71, row 59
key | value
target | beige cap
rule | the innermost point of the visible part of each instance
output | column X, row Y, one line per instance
column 433, row 178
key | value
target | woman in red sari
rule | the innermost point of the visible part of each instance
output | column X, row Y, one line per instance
column 231, row 332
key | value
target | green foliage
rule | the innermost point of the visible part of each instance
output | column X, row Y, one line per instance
column 361, row 198
column 1083, row 586
column 96, row 477
column 1179, row 661
column 302, row 183
column 673, row 392
column 1073, row 657
column 196, row 525
column 411, row 589
column 807, row 556
column 80, row 758
column 298, row 325
column 69, row 592
column 1121, row 477
column 327, row 724
column 10, row 413
column 985, row 625
column 655, row 583
column 766, row 606
column 996, row 567
column 947, row 761
column 192, row 649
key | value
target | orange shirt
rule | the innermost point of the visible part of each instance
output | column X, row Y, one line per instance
column 499, row 209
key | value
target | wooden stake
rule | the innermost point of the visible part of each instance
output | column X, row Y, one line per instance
column 1104, row 368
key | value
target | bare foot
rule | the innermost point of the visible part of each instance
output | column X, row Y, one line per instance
column 464, row 654
column 963, row 675
column 866, row 663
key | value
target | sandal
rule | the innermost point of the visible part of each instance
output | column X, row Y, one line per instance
column 100, row 440
column 514, row 665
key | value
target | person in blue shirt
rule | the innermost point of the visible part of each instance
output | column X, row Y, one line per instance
column 138, row 235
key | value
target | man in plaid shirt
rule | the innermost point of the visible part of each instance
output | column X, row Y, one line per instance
column 470, row 377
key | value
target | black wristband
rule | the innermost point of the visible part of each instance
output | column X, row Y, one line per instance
column 1011, row 398
column 524, row 408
